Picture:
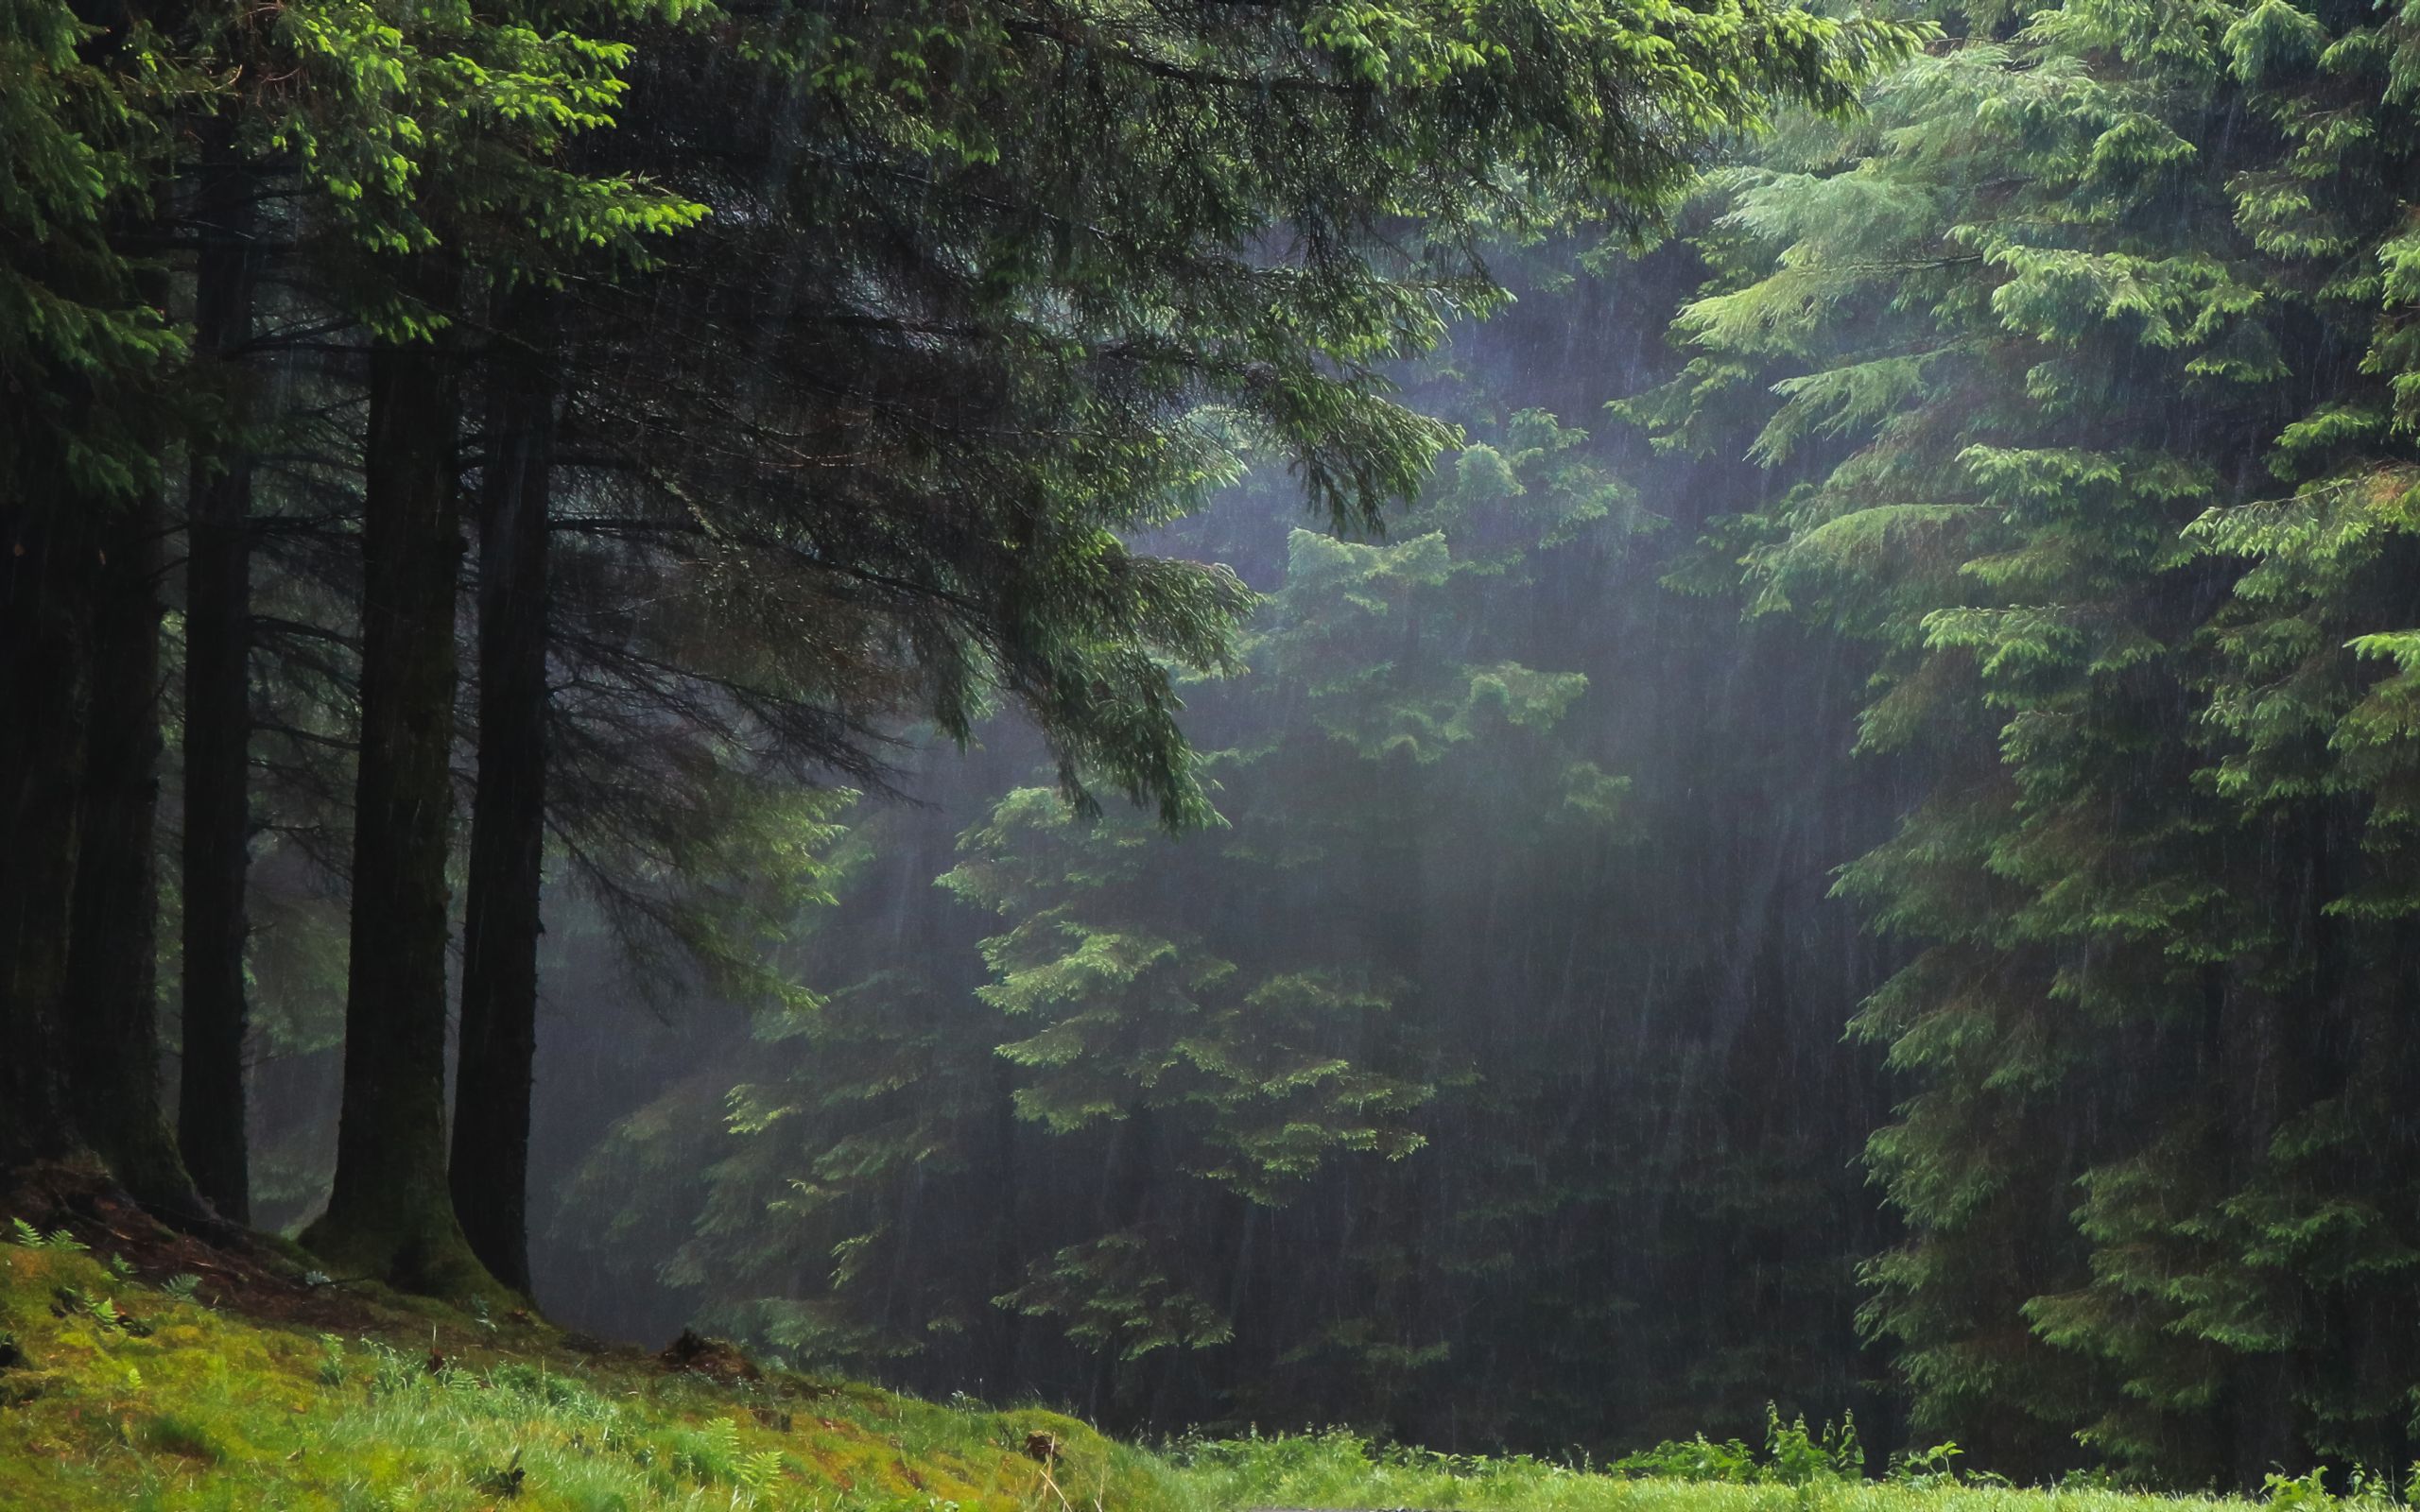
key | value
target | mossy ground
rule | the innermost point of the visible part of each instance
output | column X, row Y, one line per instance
column 122, row 1393
column 124, row 1385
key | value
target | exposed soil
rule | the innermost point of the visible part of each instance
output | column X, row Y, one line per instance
column 719, row 1359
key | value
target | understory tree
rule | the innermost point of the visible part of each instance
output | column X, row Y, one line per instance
column 1455, row 1081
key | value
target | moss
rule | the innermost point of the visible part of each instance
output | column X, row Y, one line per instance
column 213, row 1409
column 420, row 1256
column 173, row 1434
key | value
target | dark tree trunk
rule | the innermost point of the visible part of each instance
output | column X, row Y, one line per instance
column 389, row 1213
column 46, row 566
column 112, row 1031
column 80, row 735
column 491, row 1166
column 217, row 807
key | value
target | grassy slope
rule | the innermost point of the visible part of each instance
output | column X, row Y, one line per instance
column 192, row 1406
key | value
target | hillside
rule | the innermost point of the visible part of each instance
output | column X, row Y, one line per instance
column 144, row 1369
column 232, row 1385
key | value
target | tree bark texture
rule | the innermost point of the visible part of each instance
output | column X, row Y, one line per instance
column 46, row 565
column 218, row 806
column 110, row 1030
column 389, row 1213
column 491, row 1164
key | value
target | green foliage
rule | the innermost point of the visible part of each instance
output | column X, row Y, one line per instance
column 1341, row 1469
column 1128, row 1020
column 1131, row 248
column 84, row 357
column 2297, row 1492
column 1935, row 1465
column 219, row 1410
column 1803, row 1459
column 27, row 1236
column 1112, row 1301
column 1143, row 1002
column 2042, row 343
column 1402, row 1063
column 1695, row 1460
column 1794, row 1456
column 445, row 131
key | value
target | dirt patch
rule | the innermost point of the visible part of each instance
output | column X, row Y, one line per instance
column 234, row 1267
column 717, row 1359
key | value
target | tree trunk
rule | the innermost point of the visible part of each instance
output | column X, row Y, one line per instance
column 491, row 1166
column 218, row 817
column 112, row 1031
column 46, row 561
column 389, row 1213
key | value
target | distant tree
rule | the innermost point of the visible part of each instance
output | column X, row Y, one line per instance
column 232, row 248
column 934, row 351
column 1415, row 1091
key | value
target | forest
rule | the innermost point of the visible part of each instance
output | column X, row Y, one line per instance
column 1518, row 727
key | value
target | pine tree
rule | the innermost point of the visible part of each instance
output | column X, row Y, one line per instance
column 974, row 345
column 2044, row 338
column 455, row 178
column 85, row 360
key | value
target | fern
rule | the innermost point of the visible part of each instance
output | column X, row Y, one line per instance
column 758, row 1472
column 32, row 1238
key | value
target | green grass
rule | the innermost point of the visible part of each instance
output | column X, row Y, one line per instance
column 116, row 1394
column 126, row 1395
column 1342, row 1470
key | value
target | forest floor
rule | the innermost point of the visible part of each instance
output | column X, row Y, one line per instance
column 145, row 1369
column 142, row 1369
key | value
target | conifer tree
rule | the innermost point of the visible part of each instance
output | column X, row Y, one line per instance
column 973, row 344
column 218, row 798
column 2053, row 340
column 1178, row 1141
column 486, row 106
column 86, row 356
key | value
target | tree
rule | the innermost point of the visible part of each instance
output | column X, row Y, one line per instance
column 493, row 103
column 218, row 684
column 85, row 358
column 489, row 1171
column 936, row 350
column 2044, row 340
column 1452, row 1084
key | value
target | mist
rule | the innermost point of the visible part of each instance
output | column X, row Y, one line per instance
column 1503, row 732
